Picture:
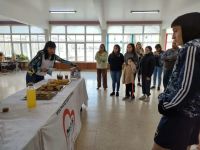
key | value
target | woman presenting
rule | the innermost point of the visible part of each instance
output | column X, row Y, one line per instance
column 43, row 63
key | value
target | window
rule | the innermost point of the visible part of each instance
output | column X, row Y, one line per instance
column 4, row 29
column 152, row 29
column 20, row 29
column 75, row 29
column 61, row 50
column 71, row 52
column 122, row 35
column 78, row 43
column 35, row 47
column 57, row 29
column 93, row 30
column 26, row 50
column 36, row 30
column 133, row 29
column 80, row 52
column 6, row 49
column 115, row 29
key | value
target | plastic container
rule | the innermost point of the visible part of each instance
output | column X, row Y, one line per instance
column 31, row 96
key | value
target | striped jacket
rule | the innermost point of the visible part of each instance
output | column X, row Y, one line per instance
column 182, row 95
column 36, row 62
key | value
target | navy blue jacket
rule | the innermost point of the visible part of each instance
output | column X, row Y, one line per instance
column 182, row 95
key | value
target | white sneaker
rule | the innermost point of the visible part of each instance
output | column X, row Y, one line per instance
column 147, row 99
column 142, row 97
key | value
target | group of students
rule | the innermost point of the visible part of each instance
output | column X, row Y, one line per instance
column 136, row 60
column 179, row 103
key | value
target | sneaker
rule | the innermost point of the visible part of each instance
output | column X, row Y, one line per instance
column 153, row 87
column 132, row 97
column 142, row 97
column 147, row 99
column 158, row 88
column 117, row 94
column 139, row 84
column 112, row 94
column 125, row 98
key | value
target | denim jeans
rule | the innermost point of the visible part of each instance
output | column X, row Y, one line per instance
column 157, row 73
column 116, row 76
column 166, row 77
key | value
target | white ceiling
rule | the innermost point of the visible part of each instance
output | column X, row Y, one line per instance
column 105, row 10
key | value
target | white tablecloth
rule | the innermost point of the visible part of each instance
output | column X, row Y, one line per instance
column 52, row 125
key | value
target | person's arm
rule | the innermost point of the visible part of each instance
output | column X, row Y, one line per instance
column 180, row 85
column 96, row 57
column 33, row 63
column 133, row 67
column 64, row 61
column 151, row 66
column 169, row 56
column 122, row 58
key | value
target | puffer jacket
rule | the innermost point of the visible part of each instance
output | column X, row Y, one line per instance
column 182, row 95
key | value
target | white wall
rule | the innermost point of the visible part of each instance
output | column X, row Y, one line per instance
column 32, row 12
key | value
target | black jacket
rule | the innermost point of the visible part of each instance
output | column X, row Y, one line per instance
column 116, row 61
column 147, row 65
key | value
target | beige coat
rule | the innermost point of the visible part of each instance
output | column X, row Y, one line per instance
column 128, row 74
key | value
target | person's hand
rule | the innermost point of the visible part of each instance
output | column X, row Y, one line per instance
column 147, row 78
column 44, row 69
column 74, row 65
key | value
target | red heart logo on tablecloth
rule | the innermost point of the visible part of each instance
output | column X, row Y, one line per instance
column 71, row 115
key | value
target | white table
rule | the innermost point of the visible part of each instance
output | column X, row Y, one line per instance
column 52, row 125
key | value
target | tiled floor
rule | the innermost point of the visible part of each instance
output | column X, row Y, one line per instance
column 108, row 123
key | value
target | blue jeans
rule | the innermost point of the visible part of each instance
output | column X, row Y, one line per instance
column 116, row 76
column 157, row 71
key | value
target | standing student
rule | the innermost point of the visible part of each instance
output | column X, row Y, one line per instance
column 140, row 53
column 116, row 60
column 180, row 102
column 131, row 53
column 158, row 67
column 43, row 63
column 102, row 60
column 147, row 67
column 169, row 58
column 129, row 79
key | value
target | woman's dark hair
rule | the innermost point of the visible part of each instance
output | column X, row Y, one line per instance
column 133, row 47
column 149, row 47
column 118, row 47
column 158, row 46
column 104, row 48
column 49, row 44
column 190, row 26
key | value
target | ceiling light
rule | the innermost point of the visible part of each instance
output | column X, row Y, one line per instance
column 145, row 11
column 63, row 12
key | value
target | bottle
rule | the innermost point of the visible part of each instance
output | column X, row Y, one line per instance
column 31, row 96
